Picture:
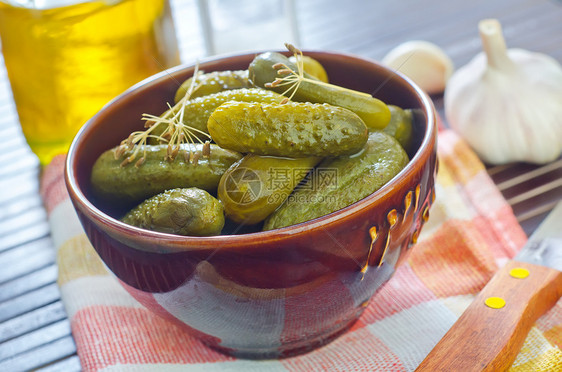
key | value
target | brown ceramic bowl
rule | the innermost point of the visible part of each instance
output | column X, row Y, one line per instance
column 262, row 294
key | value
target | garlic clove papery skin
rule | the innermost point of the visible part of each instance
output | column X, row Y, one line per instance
column 425, row 63
column 508, row 105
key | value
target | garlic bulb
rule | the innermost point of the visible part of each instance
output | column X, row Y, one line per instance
column 507, row 104
column 423, row 62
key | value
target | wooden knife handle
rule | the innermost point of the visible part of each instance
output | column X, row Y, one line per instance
column 489, row 339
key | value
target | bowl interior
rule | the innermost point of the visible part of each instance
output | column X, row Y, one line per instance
column 123, row 115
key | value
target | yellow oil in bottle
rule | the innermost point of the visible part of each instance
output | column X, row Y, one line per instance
column 64, row 63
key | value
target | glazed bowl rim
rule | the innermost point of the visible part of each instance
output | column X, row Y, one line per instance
column 80, row 201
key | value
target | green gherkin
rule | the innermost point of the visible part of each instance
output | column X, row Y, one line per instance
column 400, row 126
column 214, row 82
column 293, row 129
column 182, row 211
column 198, row 110
column 125, row 185
column 252, row 188
column 338, row 183
column 263, row 72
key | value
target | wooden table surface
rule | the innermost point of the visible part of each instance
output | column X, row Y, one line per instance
column 34, row 330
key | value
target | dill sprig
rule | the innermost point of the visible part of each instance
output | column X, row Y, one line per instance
column 175, row 134
column 293, row 79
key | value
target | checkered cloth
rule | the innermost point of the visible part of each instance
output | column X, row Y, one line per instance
column 470, row 233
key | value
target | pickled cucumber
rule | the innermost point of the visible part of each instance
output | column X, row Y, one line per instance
column 198, row 110
column 338, row 183
column 124, row 185
column 214, row 82
column 252, row 188
column 294, row 129
column 182, row 211
column 312, row 67
column 373, row 111
column 400, row 126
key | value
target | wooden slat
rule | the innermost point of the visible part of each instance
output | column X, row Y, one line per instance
column 530, row 175
column 531, row 190
column 19, row 206
column 7, row 157
column 42, row 336
column 68, row 364
column 536, row 191
column 23, row 284
column 529, row 215
column 19, row 186
column 28, row 302
column 40, row 356
column 30, row 217
column 10, row 131
column 15, row 166
column 14, row 144
column 24, row 235
column 26, row 258
column 31, row 321
column 9, row 120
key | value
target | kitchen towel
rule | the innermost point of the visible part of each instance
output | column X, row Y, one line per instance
column 470, row 233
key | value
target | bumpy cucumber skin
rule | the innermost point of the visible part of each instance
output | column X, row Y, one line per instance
column 400, row 126
column 294, row 129
column 373, row 111
column 356, row 177
column 129, row 184
column 181, row 211
column 198, row 110
column 252, row 188
column 214, row 82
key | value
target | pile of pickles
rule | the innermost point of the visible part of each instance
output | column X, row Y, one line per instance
column 267, row 147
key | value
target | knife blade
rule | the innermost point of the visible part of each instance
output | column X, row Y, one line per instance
column 492, row 330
